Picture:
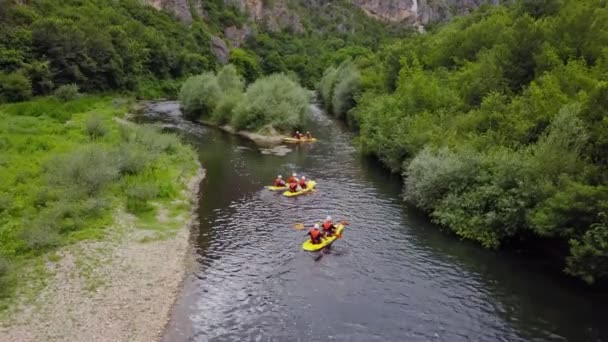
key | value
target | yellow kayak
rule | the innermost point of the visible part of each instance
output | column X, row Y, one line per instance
column 296, row 140
column 311, row 247
column 310, row 186
column 277, row 188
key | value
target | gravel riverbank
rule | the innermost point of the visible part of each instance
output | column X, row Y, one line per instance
column 119, row 289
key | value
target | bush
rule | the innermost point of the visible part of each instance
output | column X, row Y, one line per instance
column 88, row 169
column 589, row 254
column 246, row 63
column 131, row 158
column 15, row 87
column 40, row 234
column 150, row 138
column 345, row 90
column 199, row 95
column 226, row 107
column 326, row 87
column 95, row 127
column 67, row 92
column 229, row 79
column 274, row 101
column 431, row 176
column 138, row 196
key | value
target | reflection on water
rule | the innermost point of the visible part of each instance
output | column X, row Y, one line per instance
column 393, row 277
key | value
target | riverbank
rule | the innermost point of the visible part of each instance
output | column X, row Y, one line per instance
column 136, row 283
column 96, row 215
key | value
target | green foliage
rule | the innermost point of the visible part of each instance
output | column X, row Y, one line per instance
column 57, row 187
column 138, row 197
column 95, row 127
column 246, row 63
column 66, row 92
column 497, row 122
column 55, row 43
column 199, row 95
column 229, row 79
column 274, row 101
column 589, row 254
column 14, row 87
column 346, row 88
column 88, row 169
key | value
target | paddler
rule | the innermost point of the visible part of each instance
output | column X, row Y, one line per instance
column 308, row 135
column 315, row 234
column 302, row 182
column 293, row 187
column 292, row 178
column 279, row 181
column 328, row 226
column 297, row 135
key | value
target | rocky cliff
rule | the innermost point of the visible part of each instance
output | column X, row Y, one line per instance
column 276, row 14
column 420, row 12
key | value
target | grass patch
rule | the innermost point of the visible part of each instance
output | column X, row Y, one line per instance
column 66, row 166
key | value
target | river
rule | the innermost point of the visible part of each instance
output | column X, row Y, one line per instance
column 393, row 277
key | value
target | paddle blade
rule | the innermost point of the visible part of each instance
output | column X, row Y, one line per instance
column 344, row 223
column 298, row 226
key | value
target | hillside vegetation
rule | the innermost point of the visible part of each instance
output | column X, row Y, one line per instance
column 498, row 122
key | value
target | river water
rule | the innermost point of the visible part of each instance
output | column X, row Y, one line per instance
column 393, row 277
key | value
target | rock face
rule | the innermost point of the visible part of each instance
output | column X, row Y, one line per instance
column 276, row 15
column 420, row 12
column 181, row 8
column 220, row 49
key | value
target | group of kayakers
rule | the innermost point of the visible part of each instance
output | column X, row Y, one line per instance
column 293, row 183
column 298, row 135
column 316, row 234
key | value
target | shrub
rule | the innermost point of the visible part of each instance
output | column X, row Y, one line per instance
column 89, row 169
column 138, row 196
column 326, row 86
column 95, row 127
column 246, row 63
column 431, row 176
column 150, row 138
column 229, row 79
column 131, row 158
column 67, row 92
column 39, row 234
column 346, row 87
column 199, row 95
column 226, row 107
column 15, row 87
column 589, row 254
column 274, row 100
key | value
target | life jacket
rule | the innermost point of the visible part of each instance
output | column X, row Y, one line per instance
column 327, row 225
column 293, row 186
column 308, row 136
column 315, row 234
column 291, row 179
column 279, row 182
column 303, row 183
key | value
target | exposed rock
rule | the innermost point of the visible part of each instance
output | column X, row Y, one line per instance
column 279, row 16
column 236, row 36
column 181, row 8
column 219, row 49
column 419, row 11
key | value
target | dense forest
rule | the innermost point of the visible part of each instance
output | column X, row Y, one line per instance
column 498, row 123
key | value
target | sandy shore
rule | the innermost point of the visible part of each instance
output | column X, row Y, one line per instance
column 118, row 289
